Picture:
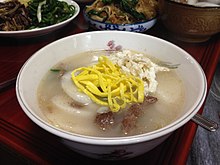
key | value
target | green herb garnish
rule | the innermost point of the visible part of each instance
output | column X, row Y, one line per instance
column 55, row 70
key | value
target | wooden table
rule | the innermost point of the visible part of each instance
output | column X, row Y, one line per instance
column 22, row 141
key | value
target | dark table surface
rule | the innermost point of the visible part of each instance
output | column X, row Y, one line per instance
column 23, row 141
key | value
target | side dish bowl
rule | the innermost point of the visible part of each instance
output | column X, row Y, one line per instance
column 134, row 27
column 44, row 30
column 110, row 148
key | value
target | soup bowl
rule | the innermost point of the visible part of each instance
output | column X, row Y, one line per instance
column 110, row 148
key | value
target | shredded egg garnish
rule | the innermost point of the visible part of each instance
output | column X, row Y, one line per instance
column 106, row 84
column 138, row 65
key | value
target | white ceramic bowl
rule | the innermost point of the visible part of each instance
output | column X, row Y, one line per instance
column 36, row 66
column 135, row 27
column 43, row 30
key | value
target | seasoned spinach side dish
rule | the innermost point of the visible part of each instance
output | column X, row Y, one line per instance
column 49, row 12
column 15, row 15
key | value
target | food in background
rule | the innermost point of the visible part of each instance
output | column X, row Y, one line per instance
column 32, row 14
column 13, row 16
column 122, row 12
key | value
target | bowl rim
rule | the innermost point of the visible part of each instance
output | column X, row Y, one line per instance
column 193, row 6
column 110, row 140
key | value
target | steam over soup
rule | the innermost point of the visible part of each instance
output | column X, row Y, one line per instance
column 111, row 93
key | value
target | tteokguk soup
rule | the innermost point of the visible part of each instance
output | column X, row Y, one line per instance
column 111, row 93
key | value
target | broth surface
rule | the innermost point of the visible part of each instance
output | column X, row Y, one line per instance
column 170, row 95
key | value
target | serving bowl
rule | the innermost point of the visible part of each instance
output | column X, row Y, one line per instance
column 121, row 15
column 190, row 23
column 110, row 148
column 134, row 27
column 43, row 30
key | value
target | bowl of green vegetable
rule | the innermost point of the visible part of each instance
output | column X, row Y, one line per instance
column 125, row 15
column 35, row 17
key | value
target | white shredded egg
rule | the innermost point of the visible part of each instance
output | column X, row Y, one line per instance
column 139, row 65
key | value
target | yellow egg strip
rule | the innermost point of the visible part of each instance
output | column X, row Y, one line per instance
column 95, row 99
column 107, row 85
column 87, row 77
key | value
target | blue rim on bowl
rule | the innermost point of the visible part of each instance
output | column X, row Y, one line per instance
column 134, row 27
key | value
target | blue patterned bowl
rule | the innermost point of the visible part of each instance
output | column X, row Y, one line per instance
column 135, row 27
